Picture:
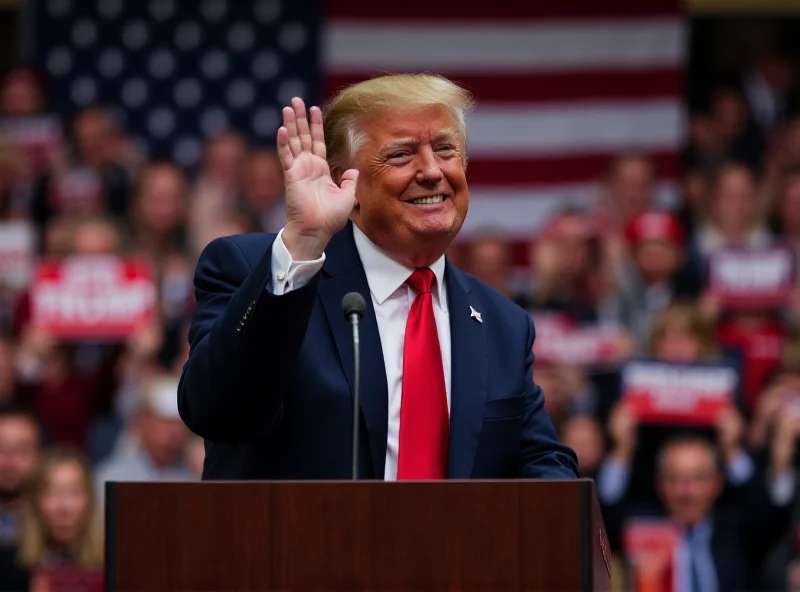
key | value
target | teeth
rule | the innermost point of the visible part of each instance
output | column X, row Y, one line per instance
column 429, row 200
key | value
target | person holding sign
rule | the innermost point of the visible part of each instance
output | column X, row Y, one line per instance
column 375, row 194
column 718, row 546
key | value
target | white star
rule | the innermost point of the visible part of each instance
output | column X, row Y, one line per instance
column 475, row 314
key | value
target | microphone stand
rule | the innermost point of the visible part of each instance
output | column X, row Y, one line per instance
column 356, row 390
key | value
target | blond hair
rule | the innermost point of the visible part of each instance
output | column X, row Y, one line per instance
column 689, row 317
column 87, row 549
column 346, row 112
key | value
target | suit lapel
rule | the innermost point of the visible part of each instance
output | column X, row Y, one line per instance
column 343, row 273
column 469, row 374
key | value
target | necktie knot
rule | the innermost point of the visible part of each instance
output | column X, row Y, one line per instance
column 421, row 280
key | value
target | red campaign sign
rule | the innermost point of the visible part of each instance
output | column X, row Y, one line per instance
column 651, row 547
column 559, row 341
column 683, row 394
column 751, row 278
column 91, row 297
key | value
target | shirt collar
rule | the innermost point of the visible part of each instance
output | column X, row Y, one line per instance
column 385, row 275
column 702, row 530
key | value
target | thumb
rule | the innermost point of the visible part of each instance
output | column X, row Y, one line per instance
column 349, row 180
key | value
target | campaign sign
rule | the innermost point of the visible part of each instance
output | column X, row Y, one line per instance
column 93, row 297
column 751, row 278
column 560, row 341
column 651, row 548
column 17, row 248
column 682, row 394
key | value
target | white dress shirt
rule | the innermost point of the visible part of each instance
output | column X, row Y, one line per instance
column 391, row 299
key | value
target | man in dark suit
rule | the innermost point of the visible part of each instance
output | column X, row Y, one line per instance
column 723, row 535
column 446, row 379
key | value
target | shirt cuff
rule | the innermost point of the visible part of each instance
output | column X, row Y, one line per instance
column 741, row 469
column 781, row 488
column 288, row 275
column 612, row 481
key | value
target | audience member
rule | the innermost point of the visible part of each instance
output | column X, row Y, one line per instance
column 21, row 443
column 263, row 189
column 153, row 449
column 61, row 543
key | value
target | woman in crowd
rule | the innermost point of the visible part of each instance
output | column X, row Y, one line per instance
column 61, row 543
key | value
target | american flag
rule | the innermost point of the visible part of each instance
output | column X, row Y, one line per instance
column 178, row 71
column 561, row 86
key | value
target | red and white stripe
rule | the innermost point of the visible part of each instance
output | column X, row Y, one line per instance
column 561, row 87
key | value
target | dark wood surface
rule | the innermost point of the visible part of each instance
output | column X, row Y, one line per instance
column 469, row 536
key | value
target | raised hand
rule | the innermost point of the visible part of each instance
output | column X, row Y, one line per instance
column 730, row 431
column 316, row 207
column 623, row 428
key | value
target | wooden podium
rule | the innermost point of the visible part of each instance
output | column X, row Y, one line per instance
column 476, row 536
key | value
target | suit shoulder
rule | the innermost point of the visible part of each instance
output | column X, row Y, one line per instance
column 251, row 246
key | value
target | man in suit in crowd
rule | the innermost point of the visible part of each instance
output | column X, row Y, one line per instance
column 374, row 196
column 722, row 538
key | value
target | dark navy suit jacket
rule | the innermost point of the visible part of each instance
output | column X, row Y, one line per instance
column 268, row 380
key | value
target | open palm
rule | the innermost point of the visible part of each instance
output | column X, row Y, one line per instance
column 315, row 204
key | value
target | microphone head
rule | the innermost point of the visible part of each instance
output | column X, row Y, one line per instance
column 353, row 303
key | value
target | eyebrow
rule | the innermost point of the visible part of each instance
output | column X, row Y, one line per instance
column 446, row 134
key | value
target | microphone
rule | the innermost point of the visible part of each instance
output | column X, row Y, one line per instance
column 353, row 306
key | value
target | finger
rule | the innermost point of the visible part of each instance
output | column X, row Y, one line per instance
column 284, row 151
column 349, row 180
column 290, row 123
column 317, row 133
column 302, row 123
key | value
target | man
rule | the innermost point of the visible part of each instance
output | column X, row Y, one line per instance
column 21, row 442
column 154, row 449
column 722, row 538
column 446, row 382
column 655, row 274
column 263, row 189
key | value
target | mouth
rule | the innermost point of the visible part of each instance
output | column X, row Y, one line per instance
column 432, row 199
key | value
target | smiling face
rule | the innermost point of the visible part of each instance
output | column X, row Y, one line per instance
column 412, row 195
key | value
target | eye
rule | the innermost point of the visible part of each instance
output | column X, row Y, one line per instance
column 446, row 148
column 399, row 157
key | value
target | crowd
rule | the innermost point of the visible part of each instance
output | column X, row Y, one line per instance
column 75, row 413
column 724, row 483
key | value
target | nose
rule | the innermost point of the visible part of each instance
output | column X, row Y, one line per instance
column 428, row 172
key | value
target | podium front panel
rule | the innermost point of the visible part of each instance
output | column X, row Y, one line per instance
column 481, row 536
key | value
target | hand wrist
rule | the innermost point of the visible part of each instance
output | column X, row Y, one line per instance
column 731, row 452
column 781, row 460
column 779, row 466
column 622, row 454
column 304, row 246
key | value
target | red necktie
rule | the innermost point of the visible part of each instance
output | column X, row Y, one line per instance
column 424, row 418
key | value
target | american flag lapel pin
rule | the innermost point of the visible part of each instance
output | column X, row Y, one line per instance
column 474, row 314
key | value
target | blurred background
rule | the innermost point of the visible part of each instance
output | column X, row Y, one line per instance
column 635, row 184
